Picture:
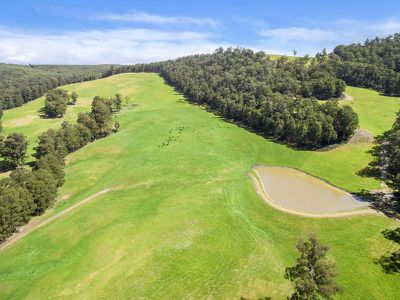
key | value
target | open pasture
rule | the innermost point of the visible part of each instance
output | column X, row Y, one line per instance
column 182, row 219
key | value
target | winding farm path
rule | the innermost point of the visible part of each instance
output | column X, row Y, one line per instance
column 261, row 191
column 23, row 231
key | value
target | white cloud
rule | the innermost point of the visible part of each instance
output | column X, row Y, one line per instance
column 134, row 45
column 124, row 46
column 142, row 17
column 387, row 27
column 299, row 34
column 311, row 40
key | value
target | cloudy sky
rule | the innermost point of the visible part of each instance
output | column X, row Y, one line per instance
column 122, row 31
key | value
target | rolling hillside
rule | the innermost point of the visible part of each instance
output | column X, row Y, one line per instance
column 175, row 170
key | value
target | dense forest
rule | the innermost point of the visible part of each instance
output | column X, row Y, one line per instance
column 21, row 84
column 29, row 191
column 277, row 98
column 374, row 64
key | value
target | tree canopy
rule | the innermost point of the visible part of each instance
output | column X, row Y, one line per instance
column 313, row 275
column 374, row 64
column 74, row 98
column 13, row 149
column 56, row 102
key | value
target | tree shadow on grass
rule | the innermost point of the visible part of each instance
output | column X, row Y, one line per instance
column 373, row 169
column 386, row 203
column 385, row 200
column 7, row 167
column 391, row 263
column 42, row 113
column 31, row 164
column 392, row 235
column 4, row 167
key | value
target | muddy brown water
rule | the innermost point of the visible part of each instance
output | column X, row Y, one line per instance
column 296, row 190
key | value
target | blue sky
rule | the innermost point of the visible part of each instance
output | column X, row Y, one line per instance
column 121, row 31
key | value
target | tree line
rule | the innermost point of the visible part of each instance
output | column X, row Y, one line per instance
column 21, row 84
column 374, row 64
column 277, row 98
column 29, row 192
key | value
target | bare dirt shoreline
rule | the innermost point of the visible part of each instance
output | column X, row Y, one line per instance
column 259, row 187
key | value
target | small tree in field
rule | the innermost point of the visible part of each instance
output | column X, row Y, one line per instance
column 313, row 275
column 117, row 103
column 101, row 113
column 13, row 149
column 56, row 102
column 74, row 98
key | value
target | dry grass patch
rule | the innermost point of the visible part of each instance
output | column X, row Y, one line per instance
column 22, row 122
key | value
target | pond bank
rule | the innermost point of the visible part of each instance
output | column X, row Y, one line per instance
column 293, row 191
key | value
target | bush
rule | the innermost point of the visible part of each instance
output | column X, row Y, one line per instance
column 74, row 98
column 13, row 149
column 56, row 103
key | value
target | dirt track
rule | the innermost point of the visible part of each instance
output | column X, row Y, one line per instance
column 261, row 191
column 35, row 224
column 347, row 97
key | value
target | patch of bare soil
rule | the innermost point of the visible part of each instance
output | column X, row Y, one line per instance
column 346, row 97
column 22, row 121
column 361, row 136
column 5, row 174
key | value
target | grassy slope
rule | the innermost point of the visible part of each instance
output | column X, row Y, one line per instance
column 187, row 221
column 376, row 112
column 26, row 119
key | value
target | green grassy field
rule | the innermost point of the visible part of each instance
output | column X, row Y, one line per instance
column 375, row 112
column 277, row 56
column 185, row 221
column 27, row 118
